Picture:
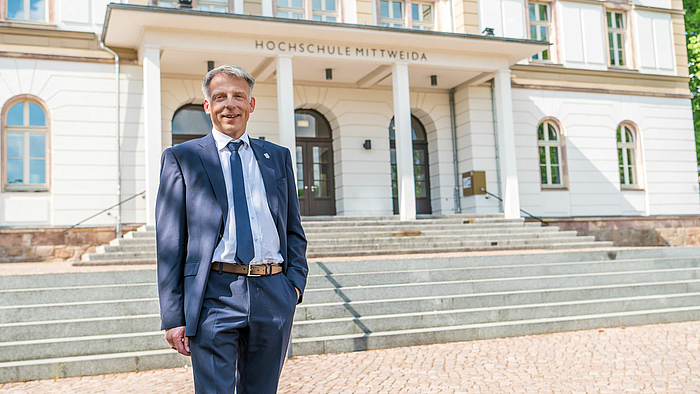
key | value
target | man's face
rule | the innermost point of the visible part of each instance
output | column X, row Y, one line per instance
column 230, row 104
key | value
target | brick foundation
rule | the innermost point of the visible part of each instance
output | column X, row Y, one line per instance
column 52, row 244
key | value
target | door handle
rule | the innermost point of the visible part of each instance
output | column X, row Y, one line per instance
column 313, row 188
column 306, row 187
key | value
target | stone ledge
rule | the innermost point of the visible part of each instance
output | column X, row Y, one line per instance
column 635, row 230
column 52, row 243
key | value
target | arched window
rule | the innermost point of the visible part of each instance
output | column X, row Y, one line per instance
column 25, row 140
column 549, row 144
column 190, row 122
column 627, row 150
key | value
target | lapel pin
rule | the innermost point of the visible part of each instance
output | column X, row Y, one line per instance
column 266, row 155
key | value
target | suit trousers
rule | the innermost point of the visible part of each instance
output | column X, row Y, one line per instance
column 243, row 333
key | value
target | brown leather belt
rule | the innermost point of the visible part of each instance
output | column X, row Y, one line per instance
column 248, row 270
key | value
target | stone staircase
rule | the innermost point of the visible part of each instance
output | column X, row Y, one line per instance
column 72, row 324
column 339, row 236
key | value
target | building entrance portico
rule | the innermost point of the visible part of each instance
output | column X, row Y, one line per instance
column 364, row 78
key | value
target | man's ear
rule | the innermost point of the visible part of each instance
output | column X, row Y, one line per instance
column 207, row 110
column 252, row 104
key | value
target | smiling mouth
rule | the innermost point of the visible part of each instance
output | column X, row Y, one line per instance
column 231, row 116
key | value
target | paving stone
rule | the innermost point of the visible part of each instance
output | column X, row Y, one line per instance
column 660, row 358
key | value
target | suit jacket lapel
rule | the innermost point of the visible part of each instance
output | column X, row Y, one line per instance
column 268, row 175
column 210, row 159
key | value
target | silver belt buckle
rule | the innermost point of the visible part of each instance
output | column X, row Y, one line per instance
column 250, row 267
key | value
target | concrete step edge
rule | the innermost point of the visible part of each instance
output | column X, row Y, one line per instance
column 496, row 308
column 617, row 273
column 502, row 323
column 83, row 338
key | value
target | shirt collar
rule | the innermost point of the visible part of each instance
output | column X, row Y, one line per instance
column 222, row 139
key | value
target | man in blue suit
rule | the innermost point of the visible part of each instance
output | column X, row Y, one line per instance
column 231, row 249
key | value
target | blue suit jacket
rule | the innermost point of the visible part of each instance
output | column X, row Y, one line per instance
column 191, row 208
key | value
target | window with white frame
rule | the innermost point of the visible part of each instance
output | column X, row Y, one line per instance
column 293, row 9
column 423, row 16
column 213, row 5
column 324, row 10
column 616, row 38
column 391, row 13
column 27, row 10
column 549, row 144
column 318, row 10
column 167, row 4
column 627, row 156
column 25, row 141
column 540, row 27
column 419, row 15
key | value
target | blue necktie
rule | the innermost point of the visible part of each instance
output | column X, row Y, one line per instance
column 244, row 237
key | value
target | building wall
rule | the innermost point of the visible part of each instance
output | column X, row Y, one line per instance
column 81, row 113
column 476, row 145
column 589, row 123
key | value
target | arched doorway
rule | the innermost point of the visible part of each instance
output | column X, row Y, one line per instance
column 421, row 174
column 314, row 163
column 190, row 122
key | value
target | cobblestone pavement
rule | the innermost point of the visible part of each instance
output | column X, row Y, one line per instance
column 648, row 359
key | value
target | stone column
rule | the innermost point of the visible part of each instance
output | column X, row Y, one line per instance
column 506, row 144
column 153, row 127
column 404, row 141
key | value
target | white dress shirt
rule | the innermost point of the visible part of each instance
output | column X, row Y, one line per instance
column 266, row 241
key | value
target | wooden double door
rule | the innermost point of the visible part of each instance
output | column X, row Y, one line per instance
column 315, row 184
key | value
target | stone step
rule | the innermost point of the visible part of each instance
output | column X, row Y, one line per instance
column 458, row 232
column 468, row 332
column 430, row 274
column 52, row 295
column 421, row 223
column 573, row 244
column 476, row 286
column 354, row 309
column 45, row 329
column 81, row 346
column 414, row 227
column 91, row 365
column 429, row 319
column 445, row 239
column 9, row 282
column 140, row 255
column 496, row 259
column 78, row 310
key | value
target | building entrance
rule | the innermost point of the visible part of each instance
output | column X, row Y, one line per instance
column 314, row 151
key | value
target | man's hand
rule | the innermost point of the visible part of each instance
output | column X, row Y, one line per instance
column 298, row 294
column 177, row 340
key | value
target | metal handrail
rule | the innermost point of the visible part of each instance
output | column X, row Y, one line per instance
column 523, row 211
column 104, row 210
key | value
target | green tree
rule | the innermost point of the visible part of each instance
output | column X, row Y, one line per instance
column 692, row 28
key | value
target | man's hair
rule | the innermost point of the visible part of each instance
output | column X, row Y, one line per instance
column 234, row 71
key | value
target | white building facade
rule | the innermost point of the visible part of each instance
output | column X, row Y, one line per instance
column 385, row 105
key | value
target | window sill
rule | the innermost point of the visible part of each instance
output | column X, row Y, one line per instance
column 555, row 188
column 631, row 189
column 25, row 189
column 27, row 24
column 622, row 68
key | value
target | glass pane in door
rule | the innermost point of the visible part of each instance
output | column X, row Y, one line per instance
column 300, row 171
column 321, row 170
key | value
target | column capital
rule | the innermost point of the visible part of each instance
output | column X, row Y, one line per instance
column 284, row 56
